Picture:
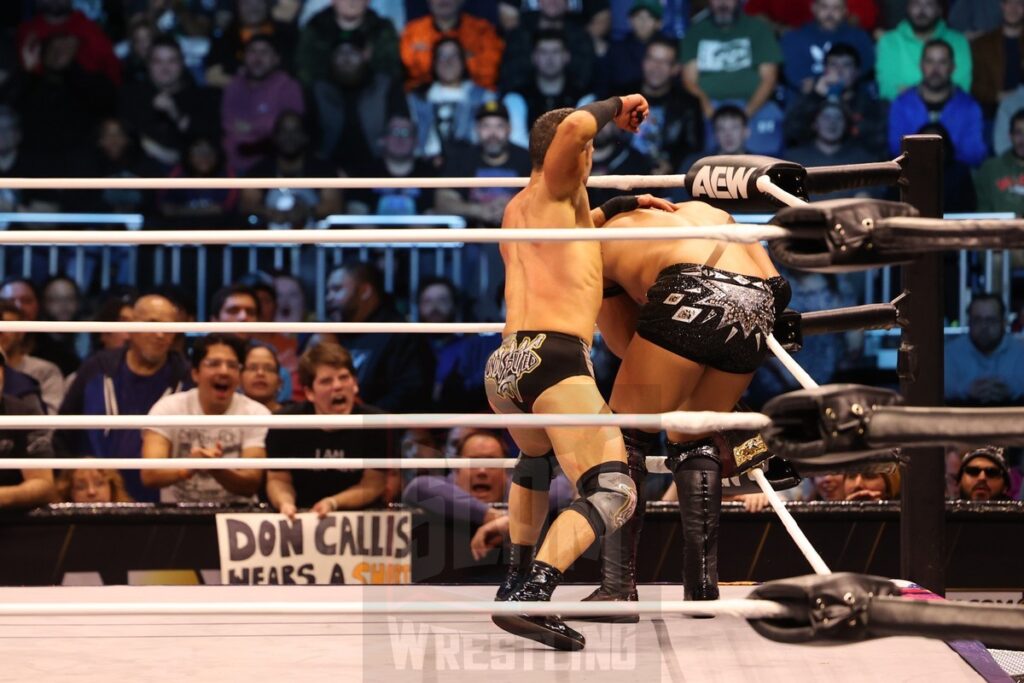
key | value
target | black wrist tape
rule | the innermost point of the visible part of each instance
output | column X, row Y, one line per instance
column 604, row 111
column 616, row 205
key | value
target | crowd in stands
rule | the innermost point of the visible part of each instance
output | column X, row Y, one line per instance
column 425, row 88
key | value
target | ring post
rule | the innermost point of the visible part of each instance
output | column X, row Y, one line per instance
column 922, row 508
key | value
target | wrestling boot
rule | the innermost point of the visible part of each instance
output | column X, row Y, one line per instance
column 697, row 470
column 519, row 561
column 619, row 550
column 537, row 586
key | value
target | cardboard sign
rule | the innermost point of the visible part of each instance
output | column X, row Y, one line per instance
column 343, row 547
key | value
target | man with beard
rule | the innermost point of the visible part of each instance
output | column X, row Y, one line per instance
column 354, row 104
column 329, row 382
column 295, row 208
column 984, row 475
column 899, row 50
column 395, row 371
column 216, row 366
column 830, row 147
column 986, row 365
column 937, row 99
column 253, row 100
column 492, row 157
column 124, row 381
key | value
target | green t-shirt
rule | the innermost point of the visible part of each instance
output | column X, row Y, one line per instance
column 728, row 57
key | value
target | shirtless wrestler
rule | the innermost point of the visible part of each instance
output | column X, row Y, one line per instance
column 701, row 311
column 552, row 296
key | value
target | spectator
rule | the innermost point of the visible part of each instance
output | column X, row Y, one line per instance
column 114, row 309
column 290, row 208
column 899, row 51
column 354, row 103
column 23, row 294
column 216, row 362
column 674, row 127
column 124, row 381
column 199, row 207
column 730, row 131
column 92, row 486
column 868, row 486
column 479, row 41
column 831, row 146
column 1001, row 51
column 984, row 475
column 492, row 157
column 116, row 153
column 62, row 302
column 551, row 86
column 13, row 162
column 974, row 18
column 804, row 50
column 94, row 53
column 253, row 100
column 13, row 346
column 938, row 100
column 261, row 375
column 141, row 34
column 168, row 108
column 23, row 488
column 828, row 487
column 551, row 15
column 252, row 19
column 327, row 375
column 325, row 30
column 398, row 160
column 786, row 14
column 842, row 81
column 62, row 104
column 443, row 109
column 999, row 182
column 291, row 299
column 729, row 57
column 235, row 304
column 957, row 181
column 986, row 365
column 395, row 372
column 626, row 54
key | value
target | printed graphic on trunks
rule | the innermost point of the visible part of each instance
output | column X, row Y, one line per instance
column 743, row 304
column 514, row 360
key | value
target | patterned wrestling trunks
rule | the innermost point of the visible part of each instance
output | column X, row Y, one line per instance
column 529, row 362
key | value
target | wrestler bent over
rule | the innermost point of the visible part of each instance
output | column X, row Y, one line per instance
column 552, row 296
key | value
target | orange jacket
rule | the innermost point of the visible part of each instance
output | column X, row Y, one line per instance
column 477, row 36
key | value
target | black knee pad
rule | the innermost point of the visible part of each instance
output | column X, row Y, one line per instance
column 640, row 445
column 534, row 472
column 700, row 455
column 607, row 497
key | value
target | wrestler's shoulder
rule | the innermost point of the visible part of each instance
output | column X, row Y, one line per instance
column 701, row 213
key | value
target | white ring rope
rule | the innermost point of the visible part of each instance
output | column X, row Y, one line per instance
column 734, row 232
column 743, row 608
column 788, row 362
column 795, row 532
column 620, row 182
column 81, row 326
column 269, row 463
column 696, row 422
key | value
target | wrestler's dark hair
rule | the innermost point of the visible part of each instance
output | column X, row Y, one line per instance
column 325, row 353
column 201, row 347
column 543, row 132
column 844, row 50
column 221, row 296
column 987, row 296
column 729, row 111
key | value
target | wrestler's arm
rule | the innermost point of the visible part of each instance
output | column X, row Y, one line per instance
column 617, row 322
column 565, row 162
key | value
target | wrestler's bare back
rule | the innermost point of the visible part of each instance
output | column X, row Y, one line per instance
column 635, row 265
column 553, row 286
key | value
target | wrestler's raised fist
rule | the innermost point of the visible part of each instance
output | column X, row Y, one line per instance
column 634, row 111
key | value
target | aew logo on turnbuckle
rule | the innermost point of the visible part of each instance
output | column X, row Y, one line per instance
column 722, row 182
column 509, row 366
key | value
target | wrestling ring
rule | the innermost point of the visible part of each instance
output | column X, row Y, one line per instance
column 875, row 628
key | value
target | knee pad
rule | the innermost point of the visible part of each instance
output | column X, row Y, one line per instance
column 702, row 454
column 534, row 472
column 607, row 497
column 640, row 445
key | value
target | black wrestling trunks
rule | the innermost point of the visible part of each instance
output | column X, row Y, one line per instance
column 710, row 316
column 527, row 363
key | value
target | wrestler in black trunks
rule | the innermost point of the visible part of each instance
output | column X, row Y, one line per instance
column 711, row 316
column 527, row 363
